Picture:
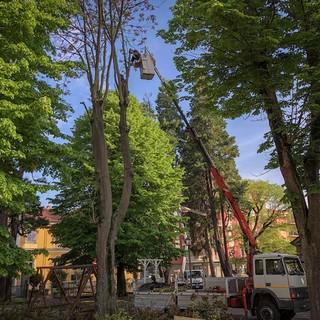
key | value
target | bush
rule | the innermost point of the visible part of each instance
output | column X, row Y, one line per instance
column 208, row 309
column 201, row 307
column 19, row 312
column 61, row 275
column 35, row 279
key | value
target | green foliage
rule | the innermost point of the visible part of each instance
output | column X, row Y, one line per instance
column 60, row 274
column 264, row 203
column 150, row 225
column 12, row 258
column 121, row 315
column 30, row 108
column 237, row 54
column 169, row 119
column 209, row 309
column 273, row 241
column 35, row 279
column 223, row 151
column 76, row 231
column 268, row 215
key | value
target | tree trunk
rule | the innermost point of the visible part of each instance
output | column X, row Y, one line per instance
column 2, row 288
column 224, row 235
column 225, row 266
column 209, row 253
column 5, row 289
column 5, row 282
column 121, row 281
column 103, row 187
column 111, row 290
column 121, row 211
column 310, row 243
column 306, row 218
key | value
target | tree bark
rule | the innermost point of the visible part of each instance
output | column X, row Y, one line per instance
column 306, row 217
column 103, row 187
column 209, row 253
column 224, row 235
column 225, row 266
column 121, row 211
column 5, row 289
column 121, row 281
column 111, row 290
column 310, row 243
column 5, row 282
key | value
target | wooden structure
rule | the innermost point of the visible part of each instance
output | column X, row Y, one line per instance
column 40, row 293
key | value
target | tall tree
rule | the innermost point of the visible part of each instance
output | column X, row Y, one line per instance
column 99, row 37
column 29, row 111
column 199, row 187
column 168, row 117
column 263, row 57
column 150, row 226
column 265, row 204
column 268, row 215
column 200, row 190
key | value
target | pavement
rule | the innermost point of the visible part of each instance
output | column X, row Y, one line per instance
column 238, row 313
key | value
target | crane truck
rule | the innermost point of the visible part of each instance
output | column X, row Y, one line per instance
column 276, row 286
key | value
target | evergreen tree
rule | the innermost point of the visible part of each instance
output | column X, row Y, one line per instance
column 197, row 179
column 169, row 119
column 201, row 192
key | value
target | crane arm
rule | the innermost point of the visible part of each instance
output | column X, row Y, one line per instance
column 214, row 171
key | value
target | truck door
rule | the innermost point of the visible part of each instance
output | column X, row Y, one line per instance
column 259, row 279
column 276, row 279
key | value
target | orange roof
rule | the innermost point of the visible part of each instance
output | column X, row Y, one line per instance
column 47, row 213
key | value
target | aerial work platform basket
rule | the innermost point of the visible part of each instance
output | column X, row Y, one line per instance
column 147, row 67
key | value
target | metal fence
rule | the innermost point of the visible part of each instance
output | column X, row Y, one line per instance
column 20, row 291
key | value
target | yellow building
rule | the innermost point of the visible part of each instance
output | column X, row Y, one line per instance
column 40, row 239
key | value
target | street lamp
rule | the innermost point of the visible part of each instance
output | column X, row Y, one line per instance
column 188, row 243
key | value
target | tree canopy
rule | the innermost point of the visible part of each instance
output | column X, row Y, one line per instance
column 100, row 35
column 150, row 225
column 30, row 108
column 258, row 57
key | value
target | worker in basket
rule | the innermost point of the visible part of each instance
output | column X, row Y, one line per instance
column 135, row 58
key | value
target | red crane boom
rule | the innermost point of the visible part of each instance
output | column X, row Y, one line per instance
column 214, row 171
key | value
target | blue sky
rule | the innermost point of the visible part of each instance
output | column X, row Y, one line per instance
column 248, row 132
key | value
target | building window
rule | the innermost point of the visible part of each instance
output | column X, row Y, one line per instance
column 31, row 238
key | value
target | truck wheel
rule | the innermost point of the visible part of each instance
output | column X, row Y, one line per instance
column 287, row 315
column 267, row 310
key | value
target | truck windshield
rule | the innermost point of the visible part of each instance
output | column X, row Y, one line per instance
column 196, row 274
column 293, row 266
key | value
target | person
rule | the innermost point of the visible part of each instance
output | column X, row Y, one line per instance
column 153, row 278
column 135, row 58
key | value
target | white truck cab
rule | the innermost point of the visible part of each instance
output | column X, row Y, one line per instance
column 197, row 278
column 279, row 287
